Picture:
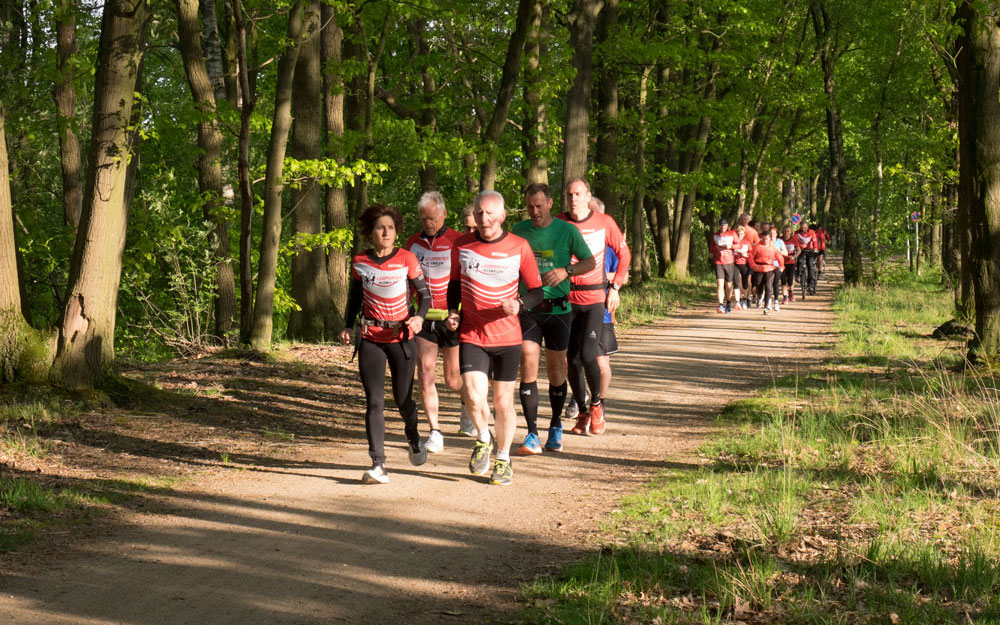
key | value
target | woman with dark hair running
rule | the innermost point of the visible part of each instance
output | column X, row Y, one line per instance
column 381, row 279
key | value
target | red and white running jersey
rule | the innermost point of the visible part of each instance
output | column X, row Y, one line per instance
column 806, row 240
column 722, row 247
column 434, row 254
column 791, row 245
column 599, row 231
column 763, row 257
column 385, row 291
column 752, row 236
column 741, row 248
column 490, row 272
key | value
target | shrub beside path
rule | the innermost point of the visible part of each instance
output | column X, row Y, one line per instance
column 305, row 543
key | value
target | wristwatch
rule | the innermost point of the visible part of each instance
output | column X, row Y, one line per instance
column 615, row 286
column 569, row 270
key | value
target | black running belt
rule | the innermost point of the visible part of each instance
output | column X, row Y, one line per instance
column 381, row 323
column 588, row 287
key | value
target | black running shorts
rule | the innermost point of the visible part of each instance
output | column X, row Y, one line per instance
column 554, row 329
column 726, row 272
column 437, row 333
column 788, row 275
column 609, row 342
column 502, row 361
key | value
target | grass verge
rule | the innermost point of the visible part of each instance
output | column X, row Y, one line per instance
column 863, row 492
column 33, row 501
column 658, row 297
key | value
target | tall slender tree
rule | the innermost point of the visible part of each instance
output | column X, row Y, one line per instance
column 262, row 324
column 209, row 164
column 576, row 135
column 315, row 318
column 978, row 61
column 65, row 97
column 335, row 206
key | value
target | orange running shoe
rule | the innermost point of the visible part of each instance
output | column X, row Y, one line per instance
column 597, row 422
column 582, row 426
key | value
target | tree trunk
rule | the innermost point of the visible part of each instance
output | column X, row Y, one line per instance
column 247, row 102
column 606, row 187
column 683, row 249
column 337, row 259
column 10, row 293
column 536, row 165
column 209, row 163
column 423, row 112
column 213, row 59
column 361, row 106
column 841, row 202
column 638, row 224
column 315, row 319
column 65, row 97
column 87, row 330
column 967, row 183
column 659, row 217
column 263, row 309
column 505, row 94
column 980, row 69
column 576, row 130
column 16, row 357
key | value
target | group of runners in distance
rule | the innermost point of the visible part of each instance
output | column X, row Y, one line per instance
column 755, row 266
column 488, row 300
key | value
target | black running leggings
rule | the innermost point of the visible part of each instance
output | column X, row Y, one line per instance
column 765, row 278
column 371, row 360
column 743, row 274
column 586, row 326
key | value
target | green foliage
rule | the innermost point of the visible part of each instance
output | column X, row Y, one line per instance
column 767, row 117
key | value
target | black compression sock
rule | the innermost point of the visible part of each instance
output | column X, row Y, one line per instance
column 529, row 405
column 557, row 397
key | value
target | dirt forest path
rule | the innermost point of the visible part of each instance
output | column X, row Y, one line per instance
column 307, row 544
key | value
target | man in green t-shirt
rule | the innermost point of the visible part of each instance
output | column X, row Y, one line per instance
column 560, row 251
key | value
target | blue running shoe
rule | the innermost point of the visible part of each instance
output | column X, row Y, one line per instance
column 531, row 445
column 554, row 442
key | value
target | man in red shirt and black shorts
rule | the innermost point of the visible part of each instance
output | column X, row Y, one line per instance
column 487, row 269
column 589, row 296
column 433, row 247
column 721, row 247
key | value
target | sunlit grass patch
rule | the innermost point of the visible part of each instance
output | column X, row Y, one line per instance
column 657, row 298
column 865, row 491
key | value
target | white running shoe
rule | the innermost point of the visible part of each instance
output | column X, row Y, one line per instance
column 465, row 424
column 418, row 454
column 435, row 442
column 375, row 475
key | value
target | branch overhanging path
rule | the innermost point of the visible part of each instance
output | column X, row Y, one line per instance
column 308, row 544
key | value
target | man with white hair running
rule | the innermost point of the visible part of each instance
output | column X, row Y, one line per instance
column 486, row 271
column 433, row 247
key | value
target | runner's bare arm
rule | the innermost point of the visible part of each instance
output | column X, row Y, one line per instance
column 416, row 322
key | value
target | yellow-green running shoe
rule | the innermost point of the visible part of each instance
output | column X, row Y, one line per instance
column 479, row 462
column 503, row 473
